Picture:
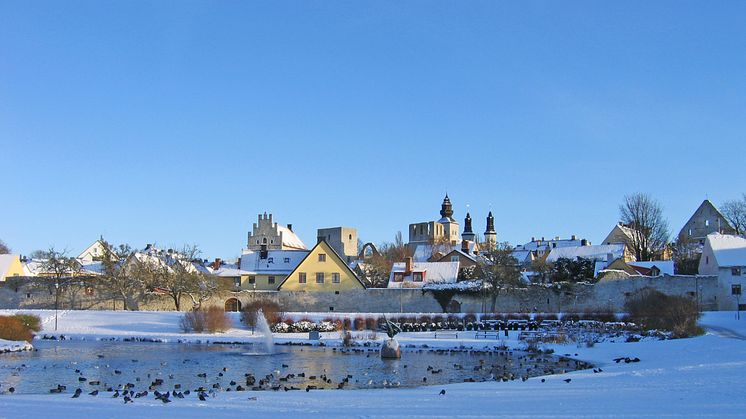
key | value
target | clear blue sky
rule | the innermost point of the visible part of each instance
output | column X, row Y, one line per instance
column 179, row 122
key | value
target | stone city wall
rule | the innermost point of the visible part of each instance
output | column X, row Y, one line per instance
column 608, row 294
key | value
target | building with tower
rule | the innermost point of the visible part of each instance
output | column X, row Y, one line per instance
column 490, row 236
column 342, row 239
column 443, row 231
column 468, row 234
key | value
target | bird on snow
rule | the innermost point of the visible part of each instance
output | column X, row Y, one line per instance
column 443, row 392
column 567, row 380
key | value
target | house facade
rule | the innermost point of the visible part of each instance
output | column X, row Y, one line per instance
column 321, row 270
column 724, row 255
column 266, row 270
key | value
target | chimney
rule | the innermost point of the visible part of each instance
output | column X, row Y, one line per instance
column 573, row 238
column 556, row 238
column 290, row 227
column 584, row 242
column 542, row 238
column 217, row 263
column 407, row 265
column 533, row 239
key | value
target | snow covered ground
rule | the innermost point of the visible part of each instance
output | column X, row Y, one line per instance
column 702, row 376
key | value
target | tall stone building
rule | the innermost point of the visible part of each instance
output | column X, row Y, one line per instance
column 268, row 235
column 342, row 239
column 705, row 220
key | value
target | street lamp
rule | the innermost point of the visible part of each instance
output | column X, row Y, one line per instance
column 56, row 300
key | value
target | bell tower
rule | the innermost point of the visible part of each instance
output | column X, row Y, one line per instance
column 490, row 236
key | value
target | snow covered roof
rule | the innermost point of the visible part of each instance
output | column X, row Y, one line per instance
column 728, row 250
column 277, row 261
column 665, row 266
column 290, row 239
column 422, row 253
column 521, row 256
column 546, row 244
column 593, row 252
column 438, row 272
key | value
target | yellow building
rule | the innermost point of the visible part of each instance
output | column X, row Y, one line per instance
column 322, row 270
column 10, row 266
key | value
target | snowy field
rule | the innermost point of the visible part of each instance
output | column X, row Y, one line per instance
column 702, row 377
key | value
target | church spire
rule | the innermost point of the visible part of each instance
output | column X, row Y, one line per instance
column 468, row 233
column 490, row 236
column 490, row 224
column 446, row 209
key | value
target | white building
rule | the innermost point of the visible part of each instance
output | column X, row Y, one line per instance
column 725, row 256
column 411, row 274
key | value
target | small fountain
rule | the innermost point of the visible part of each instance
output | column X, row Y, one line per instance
column 390, row 348
column 263, row 326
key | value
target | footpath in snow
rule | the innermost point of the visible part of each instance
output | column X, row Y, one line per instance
column 700, row 376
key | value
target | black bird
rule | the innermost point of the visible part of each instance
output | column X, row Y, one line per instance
column 77, row 393
column 116, row 394
column 443, row 392
column 93, row 393
column 567, row 380
column 127, row 399
column 202, row 396
column 11, row 390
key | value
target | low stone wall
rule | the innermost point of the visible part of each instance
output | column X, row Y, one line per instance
column 608, row 294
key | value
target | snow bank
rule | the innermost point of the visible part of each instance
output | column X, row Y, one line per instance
column 14, row 346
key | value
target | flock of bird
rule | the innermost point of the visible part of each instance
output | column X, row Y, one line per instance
column 491, row 365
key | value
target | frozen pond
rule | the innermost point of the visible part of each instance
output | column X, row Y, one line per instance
column 104, row 365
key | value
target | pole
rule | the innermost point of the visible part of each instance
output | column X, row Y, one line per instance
column 56, row 301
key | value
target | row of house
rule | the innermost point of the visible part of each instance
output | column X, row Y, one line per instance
column 275, row 258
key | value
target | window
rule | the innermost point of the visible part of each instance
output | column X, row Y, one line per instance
column 270, row 260
column 301, row 277
column 271, row 279
column 252, row 279
column 237, row 282
column 398, row 276
column 707, row 223
column 707, row 260
column 454, row 258
column 319, row 277
column 286, row 260
column 417, row 276
column 322, row 257
column 735, row 289
column 335, row 278
column 735, row 271
column 264, row 240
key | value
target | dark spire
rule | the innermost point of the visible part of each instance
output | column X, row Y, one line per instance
column 490, row 224
column 467, row 223
column 446, row 210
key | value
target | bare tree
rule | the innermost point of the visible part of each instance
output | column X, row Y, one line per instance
column 175, row 275
column 735, row 212
column 58, row 274
column 121, row 278
column 4, row 249
column 649, row 230
column 499, row 271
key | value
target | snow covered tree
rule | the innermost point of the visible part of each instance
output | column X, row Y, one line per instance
column 649, row 230
column 120, row 277
column 4, row 249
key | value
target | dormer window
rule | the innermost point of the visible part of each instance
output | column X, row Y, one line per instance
column 270, row 260
column 286, row 260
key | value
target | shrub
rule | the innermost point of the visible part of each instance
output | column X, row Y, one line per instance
column 652, row 309
column 359, row 323
column 346, row 323
column 272, row 312
column 371, row 323
column 602, row 315
column 30, row 321
column 216, row 320
column 193, row 321
column 470, row 317
column 13, row 328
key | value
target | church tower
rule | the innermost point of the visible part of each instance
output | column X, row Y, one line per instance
column 468, row 233
column 450, row 226
column 490, row 236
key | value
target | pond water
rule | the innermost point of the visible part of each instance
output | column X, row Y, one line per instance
column 101, row 365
